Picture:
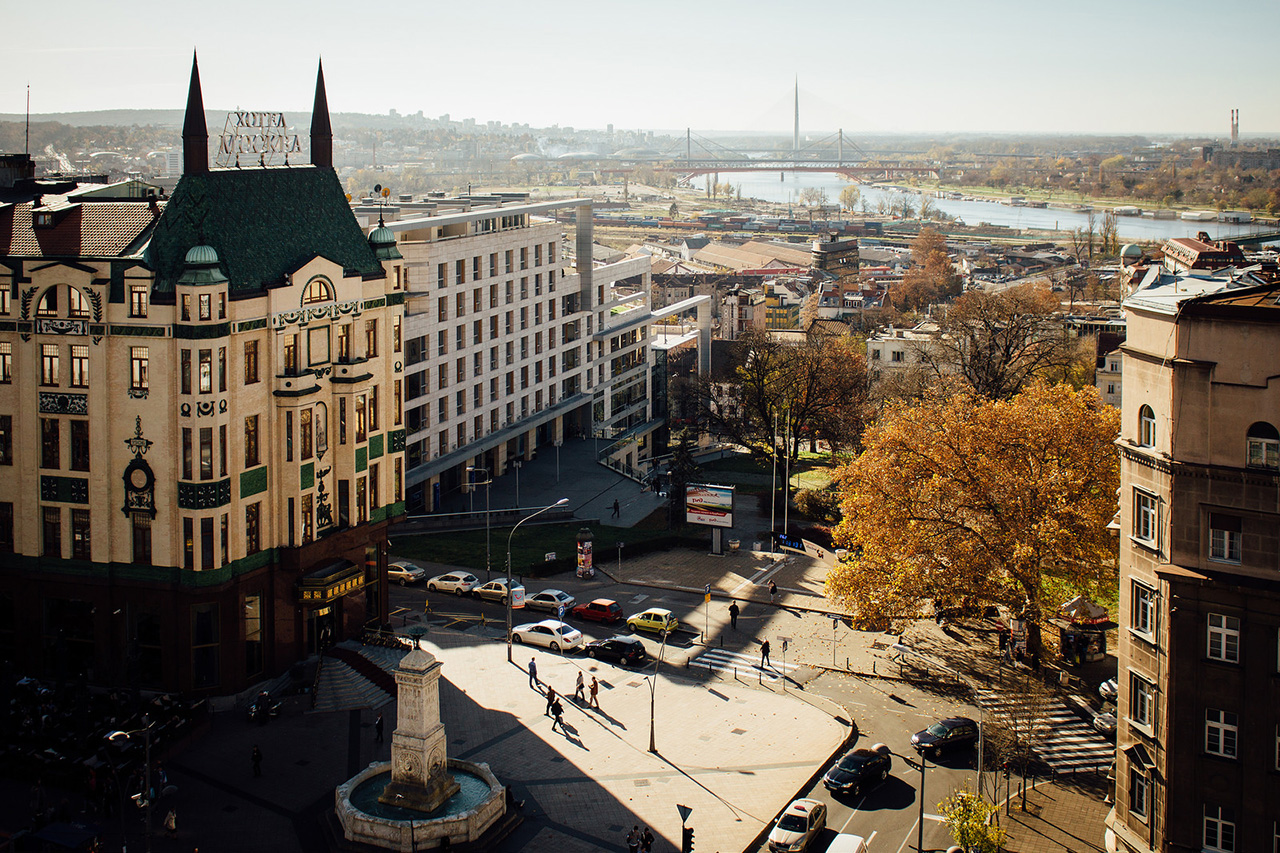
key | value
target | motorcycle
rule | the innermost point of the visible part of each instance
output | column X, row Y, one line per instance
column 263, row 708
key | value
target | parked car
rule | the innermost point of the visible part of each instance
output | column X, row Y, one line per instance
column 626, row 650
column 550, row 600
column 802, row 822
column 552, row 633
column 1109, row 690
column 859, row 770
column 496, row 590
column 459, row 583
column 945, row 736
column 656, row 619
column 1105, row 724
column 601, row 610
column 403, row 573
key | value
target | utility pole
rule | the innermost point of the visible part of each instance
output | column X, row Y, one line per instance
column 795, row 139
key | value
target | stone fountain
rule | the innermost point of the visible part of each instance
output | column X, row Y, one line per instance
column 421, row 797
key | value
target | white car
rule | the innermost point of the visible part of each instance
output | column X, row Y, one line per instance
column 802, row 822
column 403, row 573
column 550, row 600
column 459, row 583
column 552, row 633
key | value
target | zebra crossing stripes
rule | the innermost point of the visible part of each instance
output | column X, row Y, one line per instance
column 717, row 660
column 1064, row 740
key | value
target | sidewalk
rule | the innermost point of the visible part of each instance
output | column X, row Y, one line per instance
column 1066, row 815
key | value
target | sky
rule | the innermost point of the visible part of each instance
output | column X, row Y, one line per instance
column 1157, row 67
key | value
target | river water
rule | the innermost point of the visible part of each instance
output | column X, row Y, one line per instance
column 768, row 187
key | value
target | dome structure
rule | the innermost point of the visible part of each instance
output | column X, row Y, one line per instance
column 201, row 266
column 1130, row 253
column 383, row 243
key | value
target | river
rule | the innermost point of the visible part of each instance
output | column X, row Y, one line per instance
column 768, row 187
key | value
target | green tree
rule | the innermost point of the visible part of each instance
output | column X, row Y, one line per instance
column 849, row 197
column 684, row 470
column 959, row 501
column 674, row 210
column 969, row 817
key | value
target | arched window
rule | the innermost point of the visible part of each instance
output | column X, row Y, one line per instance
column 1146, row 427
column 318, row 290
column 1264, row 446
column 48, row 304
column 77, row 305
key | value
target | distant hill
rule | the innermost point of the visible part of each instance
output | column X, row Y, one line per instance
column 216, row 119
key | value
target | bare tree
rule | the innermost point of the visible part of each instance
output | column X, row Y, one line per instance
column 1016, row 723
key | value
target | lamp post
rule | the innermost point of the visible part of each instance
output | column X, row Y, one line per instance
column 486, row 482
column 517, row 464
column 907, row 650
column 653, row 687
column 560, row 502
column 117, row 737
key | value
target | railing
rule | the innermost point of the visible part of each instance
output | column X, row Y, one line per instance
column 472, row 520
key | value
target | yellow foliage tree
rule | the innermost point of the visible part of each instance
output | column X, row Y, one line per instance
column 960, row 502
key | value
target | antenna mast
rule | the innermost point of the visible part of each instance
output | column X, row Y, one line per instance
column 795, row 139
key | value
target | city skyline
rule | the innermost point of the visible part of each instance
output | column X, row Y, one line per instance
column 948, row 68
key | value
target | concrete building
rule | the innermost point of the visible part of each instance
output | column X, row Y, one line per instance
column 1108, row 377
column 742, row 308
column 1198, row 747
column 200, row 426
column 513, row 344
column 897, row 349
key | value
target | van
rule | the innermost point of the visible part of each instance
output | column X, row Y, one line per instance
column 844, row 843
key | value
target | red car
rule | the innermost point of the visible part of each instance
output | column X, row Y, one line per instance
column 600, row 610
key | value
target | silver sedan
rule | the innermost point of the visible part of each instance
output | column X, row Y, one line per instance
column 550, row 600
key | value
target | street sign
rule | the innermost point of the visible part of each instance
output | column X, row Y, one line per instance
column 784, row 641
column 707, row 597
column 707, row 589
column 685, row 811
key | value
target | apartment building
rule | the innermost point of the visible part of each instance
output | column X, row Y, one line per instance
column 200, row 428
column 513, row 344
column 1198, row 748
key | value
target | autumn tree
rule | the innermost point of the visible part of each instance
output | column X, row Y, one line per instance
column 960, row 501
column 999, row 342
column 849, row 197
column 968, row 817
column 931, row 276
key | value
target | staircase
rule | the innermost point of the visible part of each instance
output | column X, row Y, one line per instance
column 357, row 676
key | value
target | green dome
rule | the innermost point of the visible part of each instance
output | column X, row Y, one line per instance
column 201, row 256
column 202, row 267
column 383, row 243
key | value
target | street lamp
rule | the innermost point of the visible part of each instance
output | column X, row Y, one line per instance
column 977, row 699
column 920, row 822
column 119, row 737
column 486, row 482
column 560, row 502
column 517, row 464
column 653, row 687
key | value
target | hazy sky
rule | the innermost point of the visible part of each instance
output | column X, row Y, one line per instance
column 1110, row 66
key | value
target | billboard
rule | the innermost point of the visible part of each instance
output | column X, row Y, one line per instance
column 711, row 505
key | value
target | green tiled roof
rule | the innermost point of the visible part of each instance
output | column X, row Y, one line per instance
column 263, row 223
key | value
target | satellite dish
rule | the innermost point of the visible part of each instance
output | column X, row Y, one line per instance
column 377, row 188
column 348, row 196
column 386, row 192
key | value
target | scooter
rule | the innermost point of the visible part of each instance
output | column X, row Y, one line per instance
column 263, row 708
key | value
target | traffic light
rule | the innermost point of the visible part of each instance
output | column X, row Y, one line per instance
column 686, row 842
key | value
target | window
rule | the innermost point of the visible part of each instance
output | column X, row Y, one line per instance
column 48, row 304
column 206, row 544
column 225, row 527
column 222, row 368
column 48, row 364
column 1146, row 513
column 1264, row 446
column 250, row 362
column 140, row 524
column 80, row 534
column 206, row 306
column 373, row 409
column 52, row 529
column 396, row 401
column 1219, row 829
column 1146, row 427
column 6, row 439
column 1220, row 729
column 460, row 271
column 475, row 267
column 253, row 630
column 442, row 275
column 222, row 306
column 1224, row 538
column 222, row 450
column 252, row 539
column 399, row 475
column 361, row 512
column 1224, row 638
column 139, row 359
column 77, row 304
column 50, row 443
column 186, row 307
column 6, row 532
column 507, row 259
column 251, row 441
column 206, row 371
column 460, row 304
column 79, row 445
column 307, row 519
column 362, row 424
column 1141, row 701
column 290, row 355
column 396, row 343
column 79, row 366
column 317, row 291
column 186, row 453
column 1139, row 790
column 344, row 342
column 6, row 359
column 1143, row 608
column 206, row 453
column 4, row 300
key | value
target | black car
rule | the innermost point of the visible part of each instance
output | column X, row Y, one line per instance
column 945, row 735
column 859, row 770
column 625, row 650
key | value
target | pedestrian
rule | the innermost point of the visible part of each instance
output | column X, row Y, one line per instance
column 595, row 691
column 733, row 615
column 646, row 841
column 633, row 840
column 551, row 701
column 764, row 654
column 557, row 712
column 171, row 823
column 773, row 592
column 533, row 674
column 617, row 509
column 257, row 761
column 582, row 686
column 377, row 727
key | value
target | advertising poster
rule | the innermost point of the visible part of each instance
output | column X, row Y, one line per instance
column 710, row 505
column 585, row 569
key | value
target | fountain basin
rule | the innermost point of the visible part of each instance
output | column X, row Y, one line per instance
column 479, row 803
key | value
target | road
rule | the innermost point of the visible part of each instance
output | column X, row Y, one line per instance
column 883, row 711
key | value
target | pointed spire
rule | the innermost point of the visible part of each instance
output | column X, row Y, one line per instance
column 321, row 130
column 195, row 134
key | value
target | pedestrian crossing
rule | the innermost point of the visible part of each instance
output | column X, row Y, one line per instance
column 1061, row 737
column 720, row 660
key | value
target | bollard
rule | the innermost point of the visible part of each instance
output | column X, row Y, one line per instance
column 760, row 676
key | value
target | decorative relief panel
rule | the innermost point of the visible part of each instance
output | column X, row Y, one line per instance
column 303, row 316
column 71, row 490
column 61, row 326
column 56, row 403
column 204, row 495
